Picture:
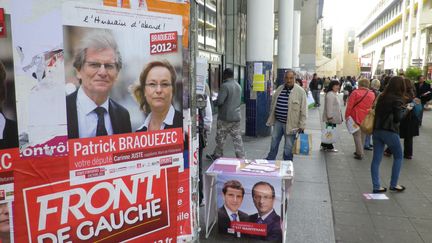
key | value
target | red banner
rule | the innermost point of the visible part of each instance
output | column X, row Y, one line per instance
column 163, row 42
column 249, row 228
column 99, row 158
column 129, row 207
column 2, row 23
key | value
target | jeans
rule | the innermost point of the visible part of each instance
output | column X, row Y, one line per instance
column 367, row 142
column 316, row 96
column 278, row 131
column 391, row 139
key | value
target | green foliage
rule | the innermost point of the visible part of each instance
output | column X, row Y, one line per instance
column 413, row 73
column 428, row 81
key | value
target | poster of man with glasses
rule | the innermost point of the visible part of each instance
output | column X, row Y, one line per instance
column 124, row 76
column 257, row 207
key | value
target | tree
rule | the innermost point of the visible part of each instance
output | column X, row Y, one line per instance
column 413, row 73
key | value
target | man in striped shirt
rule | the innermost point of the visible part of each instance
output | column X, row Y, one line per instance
column 288, row 113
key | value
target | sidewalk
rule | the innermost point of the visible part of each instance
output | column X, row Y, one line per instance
column 310, row 217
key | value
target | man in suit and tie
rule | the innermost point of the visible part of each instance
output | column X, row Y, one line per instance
column 8, row 128
column 233, row 193
column 90, row 110
column 263, row 195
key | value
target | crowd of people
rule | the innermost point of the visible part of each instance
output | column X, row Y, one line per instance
column 398, row 104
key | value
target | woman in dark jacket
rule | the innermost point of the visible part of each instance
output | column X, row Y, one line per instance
column 409, row 125
column 389, row 111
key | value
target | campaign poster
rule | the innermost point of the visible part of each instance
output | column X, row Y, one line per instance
column 8, row 115
column 9, row 152
column 135, row 48
column 135, row 208
column 66, row 156
column 249, row 207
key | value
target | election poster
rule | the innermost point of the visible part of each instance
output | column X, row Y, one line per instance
column 136, row 207
column 249, row 207
column 133, row 48
column 102, row 110
column 9, row 152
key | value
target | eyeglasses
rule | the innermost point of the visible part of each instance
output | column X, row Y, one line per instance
column 95, row 66
column 265, row 198
column 155, row 85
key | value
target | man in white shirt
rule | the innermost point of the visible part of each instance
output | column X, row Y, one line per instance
column 233, row 193
column 90, row 111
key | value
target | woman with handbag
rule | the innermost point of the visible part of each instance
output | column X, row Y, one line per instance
column 389, row 111
column 358, row 106
column 332, row 114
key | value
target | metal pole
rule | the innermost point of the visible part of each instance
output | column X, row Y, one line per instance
column 193, row 44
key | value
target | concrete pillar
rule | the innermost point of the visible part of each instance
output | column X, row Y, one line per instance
column 402, row 56
column 418, row 30
column 285, row 38
column 259, row 61
column 410, row 20
column 296, row 40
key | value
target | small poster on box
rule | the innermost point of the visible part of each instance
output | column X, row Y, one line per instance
column 249, row 207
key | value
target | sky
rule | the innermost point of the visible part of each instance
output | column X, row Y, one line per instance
column 347, row 13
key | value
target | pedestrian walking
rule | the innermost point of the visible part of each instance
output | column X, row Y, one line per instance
column 358, row 105
column 288, row 113
column 389, row 111
column 228, row 121
column 347, row 90
column 332, row 114
column 315, row 86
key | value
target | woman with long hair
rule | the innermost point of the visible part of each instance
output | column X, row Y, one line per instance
column 389, row 111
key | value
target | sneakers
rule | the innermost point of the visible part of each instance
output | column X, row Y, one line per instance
column 370, row 148
column 212, row 157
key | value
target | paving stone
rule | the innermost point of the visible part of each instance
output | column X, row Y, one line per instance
column 416, row 208
column 349, row 207
column 398, row 236
column 392, row 223
column 348, row 233
column 422, row 225
column 384, row 207
column 352, row 219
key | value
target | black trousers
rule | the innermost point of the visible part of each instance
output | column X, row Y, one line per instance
column 408, row 147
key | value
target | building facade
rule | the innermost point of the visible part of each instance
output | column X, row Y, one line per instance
column 397, row 35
